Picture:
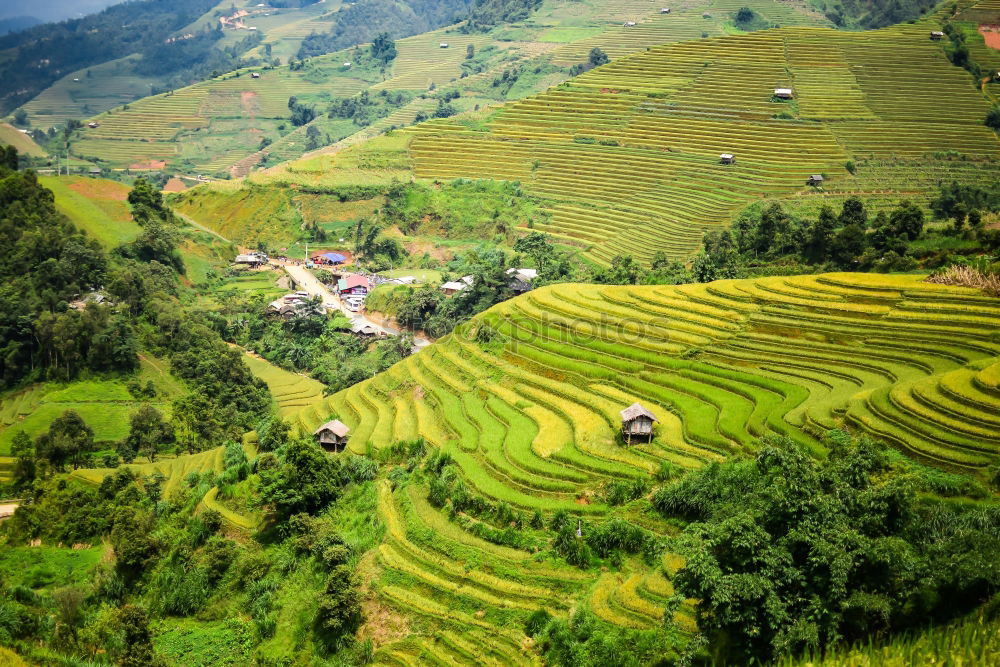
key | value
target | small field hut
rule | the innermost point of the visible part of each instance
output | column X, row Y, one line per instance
column 937, row 35
column 815, row 180
column 332, row 435
column 637, row 423
column 783, row 93
column 727, row 158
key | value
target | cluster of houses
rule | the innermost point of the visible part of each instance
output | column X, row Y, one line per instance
column 288, row 306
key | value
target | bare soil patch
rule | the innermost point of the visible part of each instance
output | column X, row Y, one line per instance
column 991, row 35
column 175, row 185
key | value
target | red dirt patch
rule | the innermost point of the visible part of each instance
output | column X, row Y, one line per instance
column 150, row 165
column 991, row 35
column 248, row 100
column 175, row 185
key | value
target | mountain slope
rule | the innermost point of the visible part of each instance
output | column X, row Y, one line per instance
column 627, row 156
column 222, row 123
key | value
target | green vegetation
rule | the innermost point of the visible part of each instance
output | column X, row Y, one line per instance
column 867, row 522
column 820, row 481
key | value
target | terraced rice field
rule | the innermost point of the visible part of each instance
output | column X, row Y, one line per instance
column 531, row 419
column 628, row 154
column 292, row 392
column 174, row 470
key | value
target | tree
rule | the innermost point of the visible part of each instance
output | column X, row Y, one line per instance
column 854, row 213
column 306, row 481
column 820, row 236
column 21, row 118
column 137, row 644
column 148, row 431
column 848, row 244
column 339, row 609
column 624, row 270
column 23, row 450
column 68, row 439
column 470, row 52
column 773, row 224
column 272, row 433
column 786, row 552
column 312, row 138
column 597, row 57
column 132, row 541
column 9, row 158
column 146, row 202
column 383, row 49
column 993, row 118
column 907, row 220
column 745, row 15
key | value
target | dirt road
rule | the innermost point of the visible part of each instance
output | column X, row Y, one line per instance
column 307, row 282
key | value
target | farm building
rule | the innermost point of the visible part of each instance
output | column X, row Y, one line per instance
column 253, row 259
column 329, row 258
column 254, row 75
column 281, row 308
column 444, row 45
column 451, row 288
column 365, row 329
column 727, row 158
column 815, row 179
column 665, row 10
column 82, row 302
column 937, row 35
column 637, row 423
column 347, row 65
column 353, row 285
column 783, row 93
column 629, row 24
column 521, row 279
column 95, row 172
column 93, row 124
column 332, row 435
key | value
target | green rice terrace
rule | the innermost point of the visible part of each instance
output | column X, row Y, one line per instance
column 627, row 156
column 525, row 400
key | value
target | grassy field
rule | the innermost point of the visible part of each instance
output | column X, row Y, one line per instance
column 531, row 417
column 97, row 206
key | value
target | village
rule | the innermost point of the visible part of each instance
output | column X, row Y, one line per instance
column 326, row 282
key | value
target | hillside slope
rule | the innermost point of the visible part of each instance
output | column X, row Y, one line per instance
column 526, row 397
column 627, row 156
column 220, row 123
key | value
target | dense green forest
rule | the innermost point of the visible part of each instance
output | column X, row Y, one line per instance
column 487, row 14
column 871, row 14
column 45, row 53
column 362, row 21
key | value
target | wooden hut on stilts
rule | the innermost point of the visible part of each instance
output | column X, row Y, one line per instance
column 637, row 423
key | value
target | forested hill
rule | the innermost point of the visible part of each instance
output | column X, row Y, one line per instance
column 870, row 14
column 400, row 18
column 43, row 54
